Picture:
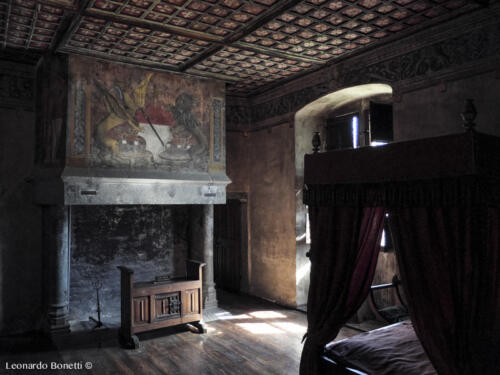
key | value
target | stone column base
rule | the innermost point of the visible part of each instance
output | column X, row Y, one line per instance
column 57, row 320
column 210, row 298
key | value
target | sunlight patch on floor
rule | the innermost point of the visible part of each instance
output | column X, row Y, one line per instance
column 210, row 329
column 260, row 328
column 267, row 315
column 290, row 327
column 229, row 316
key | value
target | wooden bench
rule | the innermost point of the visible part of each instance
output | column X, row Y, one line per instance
column 146, row 306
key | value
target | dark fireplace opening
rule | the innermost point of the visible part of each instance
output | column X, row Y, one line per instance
column 153, row 240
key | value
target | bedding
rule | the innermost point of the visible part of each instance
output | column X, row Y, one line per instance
column 394, row 349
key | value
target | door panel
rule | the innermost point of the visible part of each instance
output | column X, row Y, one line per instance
column 227, row 245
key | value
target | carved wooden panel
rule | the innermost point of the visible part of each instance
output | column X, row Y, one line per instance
column 173, row 302
column 167, row 306
column 190, row 302
column 141, row 310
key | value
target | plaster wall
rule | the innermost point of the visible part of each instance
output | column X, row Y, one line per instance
column 238, row 162
column 435, row 110
column 260, row 164
column 237, row 169
column 272, row 213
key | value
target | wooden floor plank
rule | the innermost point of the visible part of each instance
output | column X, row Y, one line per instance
column 250, row 337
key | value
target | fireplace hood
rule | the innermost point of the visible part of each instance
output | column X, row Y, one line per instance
column 77, row 186
column 111, row 134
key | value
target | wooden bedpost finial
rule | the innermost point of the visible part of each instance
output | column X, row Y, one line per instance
column 316, row 142
column 469, row 115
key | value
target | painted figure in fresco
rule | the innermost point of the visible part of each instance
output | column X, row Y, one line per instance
column 187, row 122
column 122, row 108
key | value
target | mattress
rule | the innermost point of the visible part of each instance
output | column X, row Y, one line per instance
column 394, row 349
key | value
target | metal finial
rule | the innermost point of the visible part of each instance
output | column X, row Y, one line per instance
column 469, row 115
column 316, row 142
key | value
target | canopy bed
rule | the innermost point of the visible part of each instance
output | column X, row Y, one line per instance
column 443, row 199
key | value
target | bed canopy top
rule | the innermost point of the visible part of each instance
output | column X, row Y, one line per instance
column 425, row 170
column 443, row 199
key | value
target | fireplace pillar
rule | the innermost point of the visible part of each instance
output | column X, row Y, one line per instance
column 202, row 248
column 209, row 293
column 56, row 229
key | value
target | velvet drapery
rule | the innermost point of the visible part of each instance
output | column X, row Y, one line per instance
column 345, row 242
column 450, row 267
column 443, row 194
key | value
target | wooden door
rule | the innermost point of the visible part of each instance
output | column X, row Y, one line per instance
column 227, row 245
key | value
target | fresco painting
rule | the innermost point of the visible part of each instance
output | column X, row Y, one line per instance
column 143, row 119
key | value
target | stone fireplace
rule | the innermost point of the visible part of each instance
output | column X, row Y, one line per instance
column 151, row 239
column 130, row 163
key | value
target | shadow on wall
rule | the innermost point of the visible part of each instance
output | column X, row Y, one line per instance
column 312, row 118
column 20, row 232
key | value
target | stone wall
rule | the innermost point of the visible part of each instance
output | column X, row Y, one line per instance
column 151, row 240
column 435, row 110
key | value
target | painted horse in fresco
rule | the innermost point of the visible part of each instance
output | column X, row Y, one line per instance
column 122, row 108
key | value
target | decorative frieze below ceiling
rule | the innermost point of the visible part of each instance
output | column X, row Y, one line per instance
column 473, row 48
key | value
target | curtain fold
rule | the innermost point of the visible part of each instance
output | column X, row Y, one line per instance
column 449, row 262
column 345, row 242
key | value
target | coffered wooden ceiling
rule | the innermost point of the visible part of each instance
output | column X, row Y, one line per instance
column 251, row 44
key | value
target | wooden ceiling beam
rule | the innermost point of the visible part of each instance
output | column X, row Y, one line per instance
column 154, row 26
column 275, row 53
column 65, row 4
column 219, row 76
column 68, row 25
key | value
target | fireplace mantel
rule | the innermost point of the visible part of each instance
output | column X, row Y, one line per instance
column 78, row 186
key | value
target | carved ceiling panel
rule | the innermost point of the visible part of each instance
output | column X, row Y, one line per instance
column 211, row 19
column 326, row 29
column 251, row 44
column 250, row 69
column 28, row 24
column 122, row 41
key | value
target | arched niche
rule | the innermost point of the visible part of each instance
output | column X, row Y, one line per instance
column 309, row 119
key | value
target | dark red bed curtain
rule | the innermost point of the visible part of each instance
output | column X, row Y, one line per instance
column 450, row 266
column 344, row 246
